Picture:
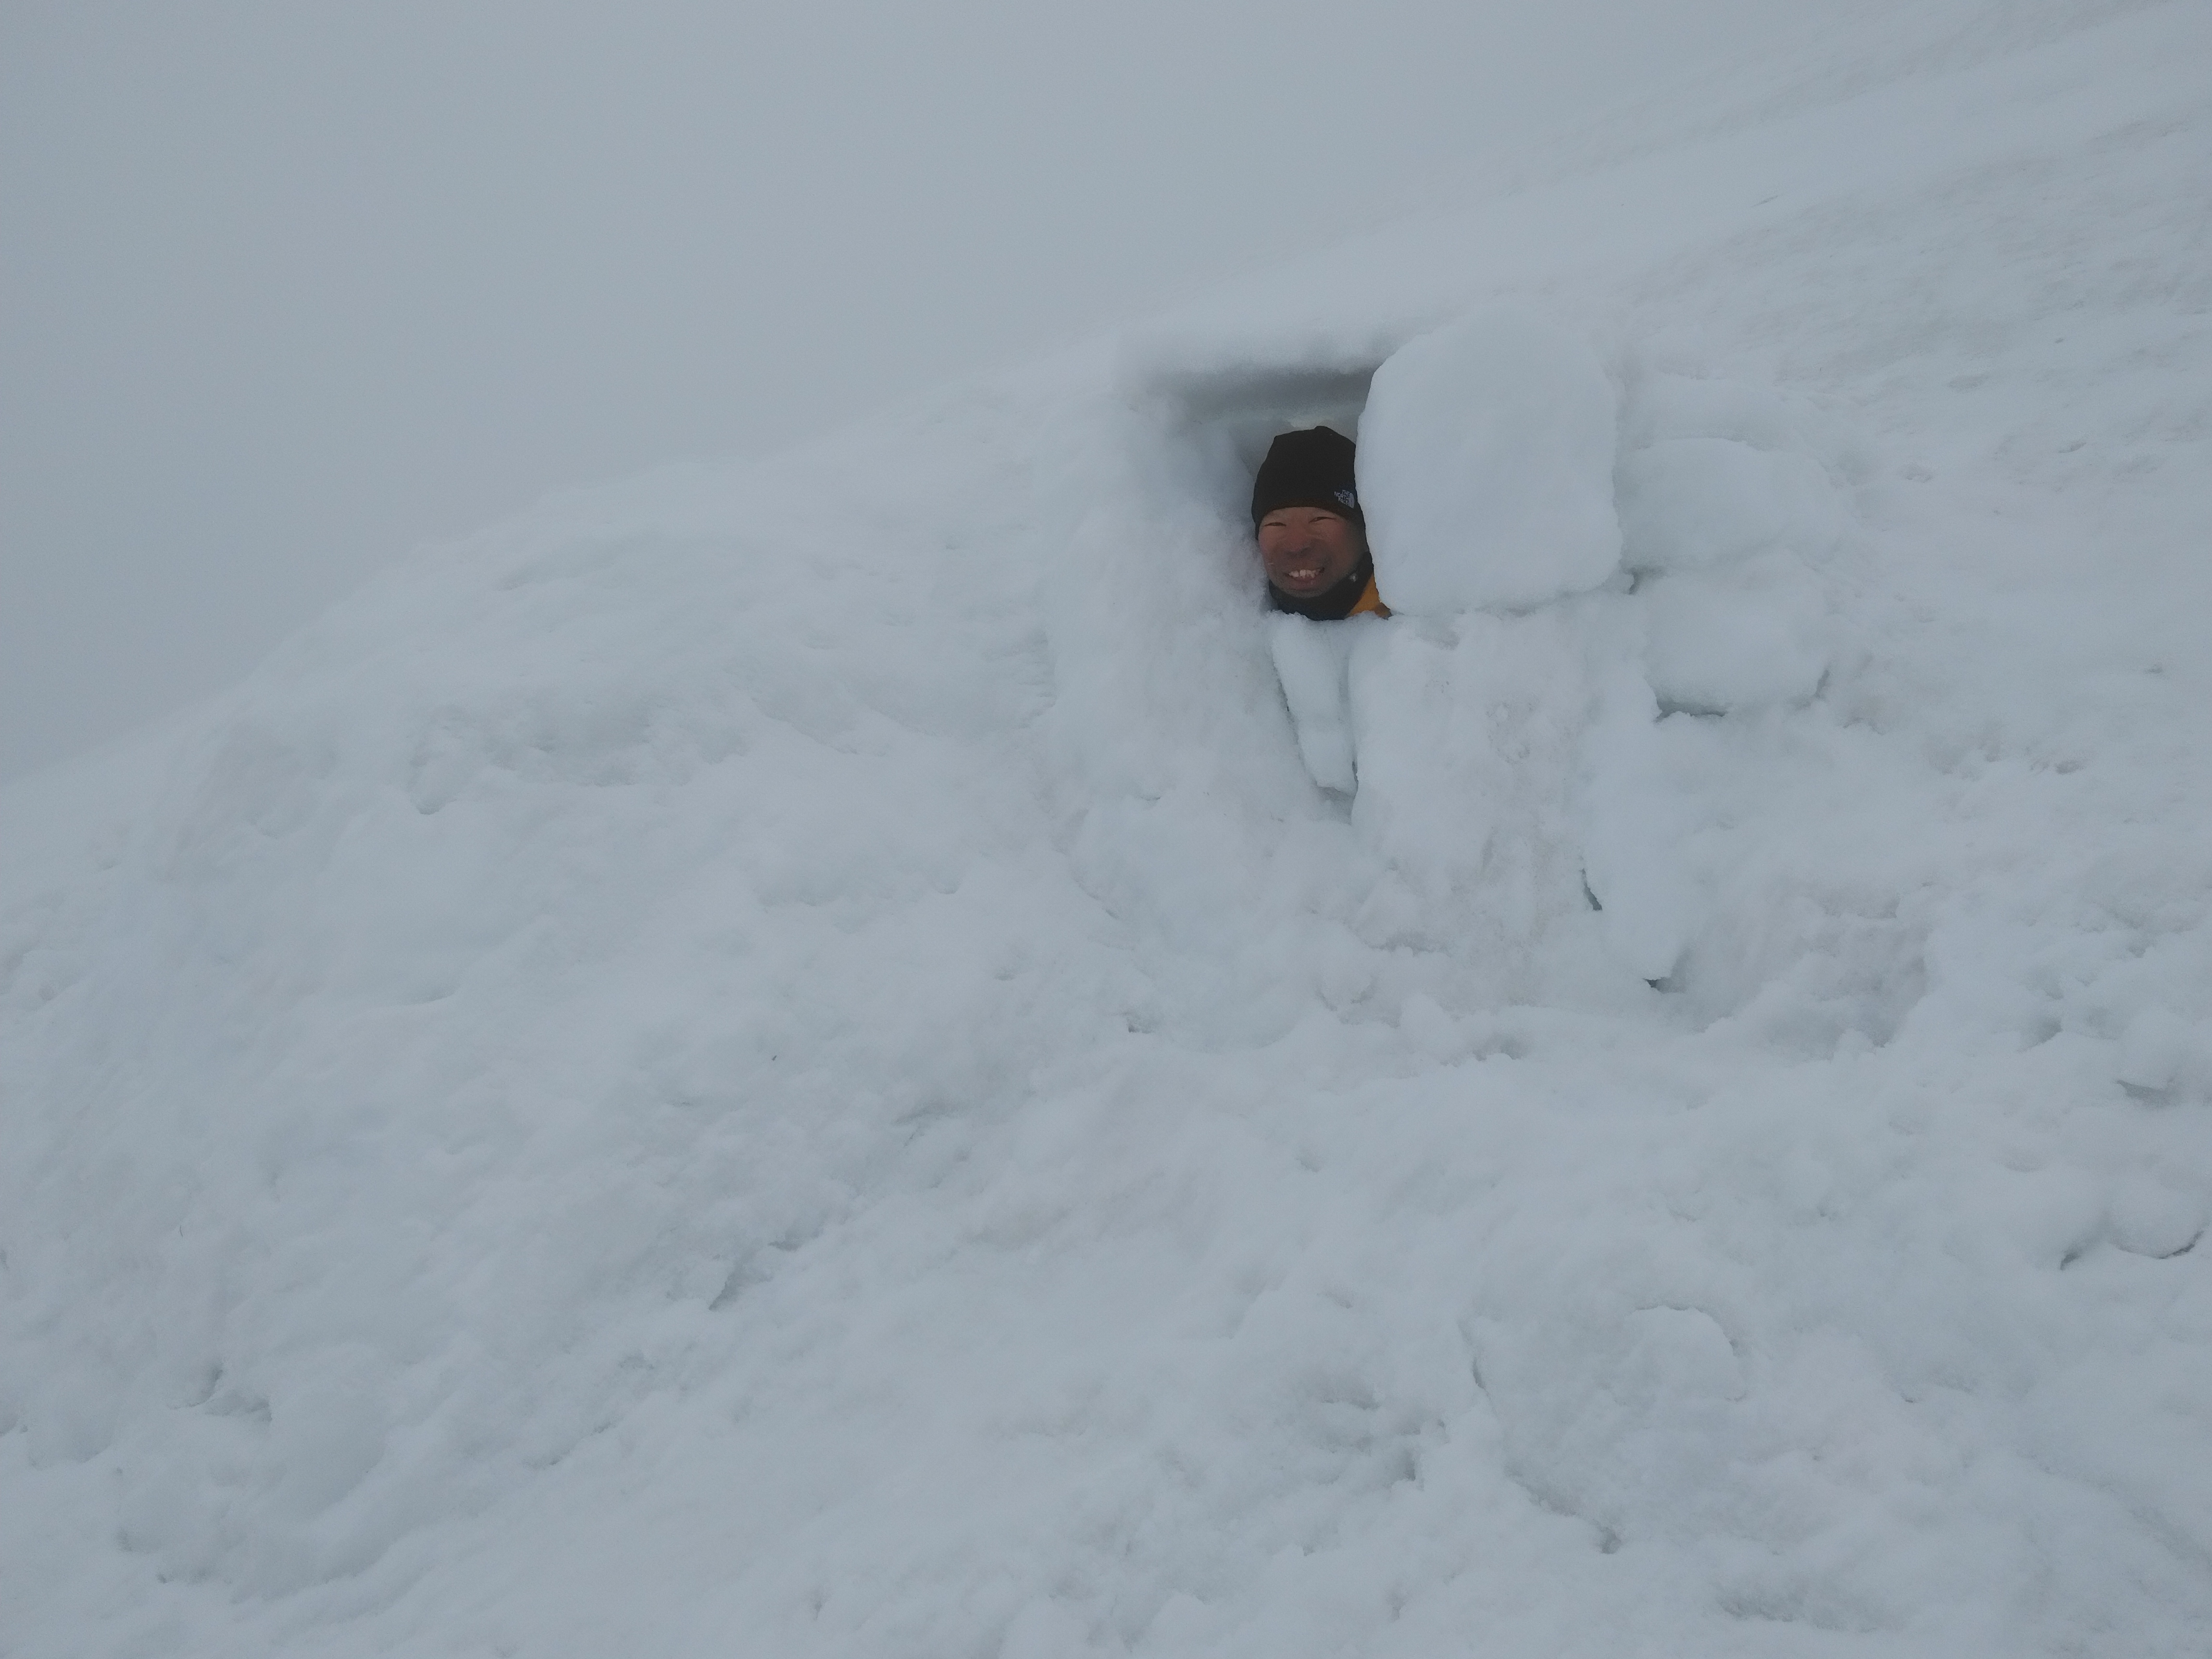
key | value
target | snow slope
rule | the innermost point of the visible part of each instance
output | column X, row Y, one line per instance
column 790, row 1061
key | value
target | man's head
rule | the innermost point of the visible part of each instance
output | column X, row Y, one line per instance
column 1305, row 513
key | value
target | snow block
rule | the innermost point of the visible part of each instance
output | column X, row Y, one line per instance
column 1745, row 637
column 1469, row 736
column 1636, row 818
column 1692, row 503
column 1310, row 659
column 1485, row 468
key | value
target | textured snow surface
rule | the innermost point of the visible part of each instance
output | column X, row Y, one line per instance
column 793, row 1062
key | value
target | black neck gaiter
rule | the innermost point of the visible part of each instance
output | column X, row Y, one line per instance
column 1333, row 605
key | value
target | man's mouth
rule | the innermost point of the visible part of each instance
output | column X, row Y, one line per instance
column 1302, row 575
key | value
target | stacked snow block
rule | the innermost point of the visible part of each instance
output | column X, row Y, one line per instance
column 1486, row 455
column 1486, row 468
column 1724, row 518
column 1567, row 567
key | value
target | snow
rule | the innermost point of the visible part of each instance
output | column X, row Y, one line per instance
column 1719, row 641
column 793, row 1059
column 1312, row 661
column 1691, row 503
column 1486, row 468
column 1498, row 436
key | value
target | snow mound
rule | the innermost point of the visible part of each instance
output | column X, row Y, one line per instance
column 794, row 1063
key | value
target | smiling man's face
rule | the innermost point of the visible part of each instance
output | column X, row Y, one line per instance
column 1309, row 549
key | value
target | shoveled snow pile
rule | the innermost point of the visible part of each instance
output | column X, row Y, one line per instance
column 864, row 1057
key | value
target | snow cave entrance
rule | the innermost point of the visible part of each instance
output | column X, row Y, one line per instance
column 1590, row 564
column 1228, row 420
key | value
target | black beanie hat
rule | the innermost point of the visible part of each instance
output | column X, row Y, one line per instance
column 1312, row 468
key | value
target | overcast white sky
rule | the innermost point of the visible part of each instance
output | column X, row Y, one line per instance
column 286, row 288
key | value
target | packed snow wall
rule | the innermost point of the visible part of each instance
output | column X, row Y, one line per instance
column 795, row 1061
